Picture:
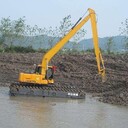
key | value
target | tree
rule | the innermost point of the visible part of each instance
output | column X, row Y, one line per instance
column 52, row 34
column 109, row 45
column 32, row 34
column 79, row 36
column 124, row 31
column 5, row 29
column 11, row 30
column 57, row 33
column 65, row 26
column 42, row 33
column 19, row 27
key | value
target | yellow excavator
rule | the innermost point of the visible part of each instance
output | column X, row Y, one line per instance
column 44, row 74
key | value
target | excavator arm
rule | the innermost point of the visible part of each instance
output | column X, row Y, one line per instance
column 100, row 63
column 43, row 74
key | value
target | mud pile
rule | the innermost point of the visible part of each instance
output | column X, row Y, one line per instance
column 78, row 70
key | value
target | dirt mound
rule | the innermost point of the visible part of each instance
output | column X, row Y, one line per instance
column 78, row 70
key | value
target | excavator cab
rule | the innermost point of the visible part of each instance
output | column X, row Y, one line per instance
column 49, row 73
column 37, row 78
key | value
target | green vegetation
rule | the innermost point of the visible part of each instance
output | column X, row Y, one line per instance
column 19, row 49
column 17, row 36
column 15, row 30
column 124, row 31
column 12, row 31
column 109, row 45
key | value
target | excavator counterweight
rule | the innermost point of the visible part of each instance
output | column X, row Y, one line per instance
column 41, row 82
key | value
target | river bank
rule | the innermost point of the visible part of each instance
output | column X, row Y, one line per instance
column 78, row 70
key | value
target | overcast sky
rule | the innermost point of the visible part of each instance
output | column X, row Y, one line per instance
column 45, row 13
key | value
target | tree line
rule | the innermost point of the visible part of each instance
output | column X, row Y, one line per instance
column 18, row 30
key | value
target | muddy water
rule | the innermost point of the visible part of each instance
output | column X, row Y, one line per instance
column 33, row 112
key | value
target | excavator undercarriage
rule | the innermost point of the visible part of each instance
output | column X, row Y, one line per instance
column 46, row 91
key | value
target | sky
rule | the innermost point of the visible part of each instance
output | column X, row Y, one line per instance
column 46, row 13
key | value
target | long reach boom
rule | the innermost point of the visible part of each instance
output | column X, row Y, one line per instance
column 48, row 56
column 41, row 74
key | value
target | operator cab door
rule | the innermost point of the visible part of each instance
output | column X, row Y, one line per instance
column 49, row 72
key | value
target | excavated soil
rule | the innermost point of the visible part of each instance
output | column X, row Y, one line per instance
column 78, row 70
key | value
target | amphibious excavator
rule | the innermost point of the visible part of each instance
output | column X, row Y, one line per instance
column 41, row 82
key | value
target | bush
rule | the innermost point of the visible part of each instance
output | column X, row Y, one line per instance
column 19, row 49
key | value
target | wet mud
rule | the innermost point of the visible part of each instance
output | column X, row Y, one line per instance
column 76, row 70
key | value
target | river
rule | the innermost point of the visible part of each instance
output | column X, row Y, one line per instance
column 38, row 112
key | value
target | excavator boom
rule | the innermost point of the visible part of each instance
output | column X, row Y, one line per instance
column 100, row 64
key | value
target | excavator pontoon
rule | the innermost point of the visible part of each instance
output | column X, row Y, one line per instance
column 41, row 82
